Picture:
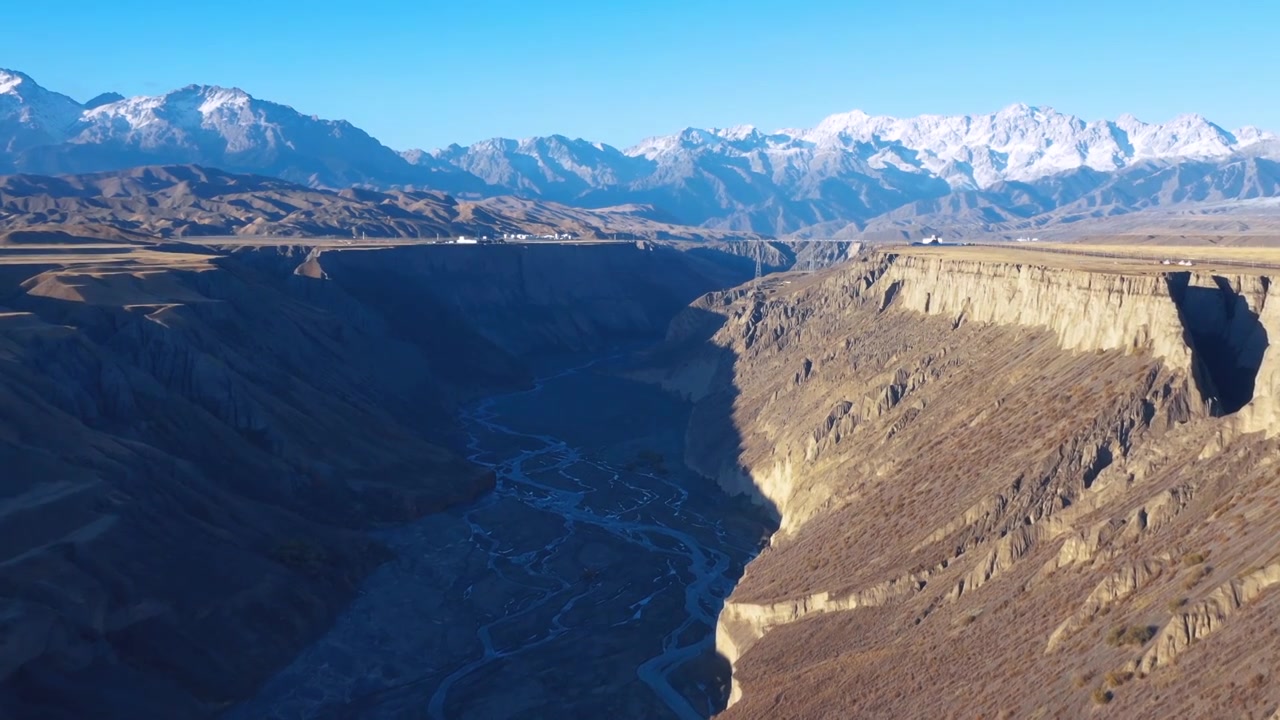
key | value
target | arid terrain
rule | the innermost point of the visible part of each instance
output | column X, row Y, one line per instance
column 144, row 203
column 196, row 441
column 567, row 361
column 1007, row 480
column 1010, row 483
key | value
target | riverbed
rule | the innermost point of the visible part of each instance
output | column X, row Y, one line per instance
column 587, row 584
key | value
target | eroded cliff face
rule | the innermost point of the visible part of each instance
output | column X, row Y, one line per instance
column 194, row 442
column 1262, row 413
column 1002, row 487
column 548, row 298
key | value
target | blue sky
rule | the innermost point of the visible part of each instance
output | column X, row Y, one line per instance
column 428, row 73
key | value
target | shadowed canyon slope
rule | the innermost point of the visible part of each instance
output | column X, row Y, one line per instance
column 1028, row 488
column 196, row 441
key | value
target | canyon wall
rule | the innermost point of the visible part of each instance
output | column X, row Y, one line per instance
column 195, row 441
column 997, row 482
column 543, row 298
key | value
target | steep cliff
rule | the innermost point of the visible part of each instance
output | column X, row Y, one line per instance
column 194, row 441
column 538, row 298
column 997, row 482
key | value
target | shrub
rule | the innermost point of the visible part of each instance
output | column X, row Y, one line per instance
column 1192, row 559
column 1113, row 637
column 1101, row 696
column 1130, row 635
column 1177, row 604
column 1139, row 635
column 1196, row 576
column 1117, row 678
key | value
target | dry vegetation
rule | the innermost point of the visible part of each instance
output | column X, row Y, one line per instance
column 1138, row 260
column 970, row 489
column 1207, row 255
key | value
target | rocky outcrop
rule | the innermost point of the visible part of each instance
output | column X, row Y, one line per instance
column 1207, row 616
column 1086, row 311
column 1262, row 413
column 958, row 441
column 1116, row 587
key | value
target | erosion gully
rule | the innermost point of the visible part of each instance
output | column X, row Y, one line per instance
column 587, row 584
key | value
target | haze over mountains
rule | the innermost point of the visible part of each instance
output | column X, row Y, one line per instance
column 852, row 175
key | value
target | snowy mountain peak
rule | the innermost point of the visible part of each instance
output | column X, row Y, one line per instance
column 1128, row 122
column 201, row 100
column 30, row 115
column 1020, row 142
column 737, row 132
column 215, row 97
column 1249, row 135
column 850, row 123
column 11, row 79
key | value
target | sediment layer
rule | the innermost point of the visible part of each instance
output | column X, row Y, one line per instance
column 989, row 469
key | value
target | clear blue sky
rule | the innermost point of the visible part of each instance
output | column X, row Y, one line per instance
column 425, row 73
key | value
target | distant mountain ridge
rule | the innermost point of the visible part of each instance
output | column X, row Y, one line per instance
column 147, row 203
column 852, row 174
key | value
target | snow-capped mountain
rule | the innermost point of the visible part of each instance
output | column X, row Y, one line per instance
column 1023, row 143
column 220, row 127
column 850, row 168
column 538, row 166
column 852, row 171
column 31, row 116
column 45, row 133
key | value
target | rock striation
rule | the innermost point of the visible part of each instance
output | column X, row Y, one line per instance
column 1000, row 483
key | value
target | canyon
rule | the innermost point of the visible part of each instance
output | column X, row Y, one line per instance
column 198, row 440
column 1009, row 485
column 280, row 480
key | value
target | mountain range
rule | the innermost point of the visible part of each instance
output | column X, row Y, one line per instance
column 853, row 175
column 170, row 201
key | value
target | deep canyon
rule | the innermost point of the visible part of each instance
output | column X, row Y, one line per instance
column 198, row 442
column 519, row 481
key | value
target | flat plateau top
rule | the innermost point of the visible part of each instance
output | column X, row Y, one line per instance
column 106, row 255
column 1125, row 259
column 206, row 248
column 1110, row 258
column 277, row 241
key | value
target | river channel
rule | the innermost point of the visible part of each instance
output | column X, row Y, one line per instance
column 587, row 584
